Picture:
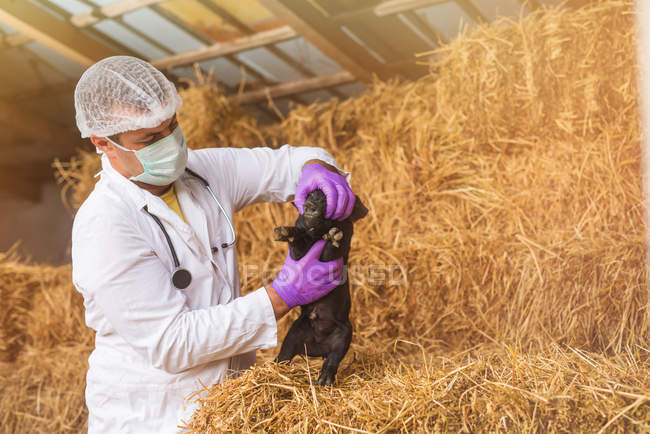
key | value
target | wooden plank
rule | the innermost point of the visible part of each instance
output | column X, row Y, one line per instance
column 110, row 11
column 108, row 40
column 286, row 89
column 401, row 43
column 19, row 39
column 103, row 38
column 52, row 32
column 207, row 40
column 426, row 28
column 223, row 48
column 233, row 21
column 391, row 7
column 327, row 36
column 389, row 36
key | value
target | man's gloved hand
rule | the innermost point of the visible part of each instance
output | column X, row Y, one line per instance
column 308, row 279
column 340, row 199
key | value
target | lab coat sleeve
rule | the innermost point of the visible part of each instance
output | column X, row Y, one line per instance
column 131, row 288
column 262, row 174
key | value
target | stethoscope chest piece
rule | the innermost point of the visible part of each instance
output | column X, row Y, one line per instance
column 181, row 278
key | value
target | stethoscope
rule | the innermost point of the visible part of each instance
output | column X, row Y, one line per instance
column 181, row 277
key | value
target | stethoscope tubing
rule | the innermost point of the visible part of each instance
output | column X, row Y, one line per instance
column 181, row 278
column 232, row 229
column 164, row 231
column 223, row 211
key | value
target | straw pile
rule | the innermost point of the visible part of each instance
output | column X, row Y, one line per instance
column 507, row 185
column 505, row 239
column 483, row 390
column 44, row 349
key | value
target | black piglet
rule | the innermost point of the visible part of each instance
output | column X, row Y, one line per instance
column 324, row 327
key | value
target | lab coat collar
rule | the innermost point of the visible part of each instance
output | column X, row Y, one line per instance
column 139, row 196
column 136, row 194
column 155, row 205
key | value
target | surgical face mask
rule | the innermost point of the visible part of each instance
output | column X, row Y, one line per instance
column 163, row 161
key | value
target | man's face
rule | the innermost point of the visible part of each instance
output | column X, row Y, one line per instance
column 125, row 162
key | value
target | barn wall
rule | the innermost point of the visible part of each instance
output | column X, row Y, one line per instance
column 43, row 227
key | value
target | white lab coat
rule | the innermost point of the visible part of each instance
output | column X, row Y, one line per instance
column 154, row 342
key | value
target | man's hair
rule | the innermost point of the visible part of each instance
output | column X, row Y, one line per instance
column 116, row 138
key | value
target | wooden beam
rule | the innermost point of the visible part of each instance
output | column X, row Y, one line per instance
column 52, row 32
column 325, row 35
column 206, row 40
column 392, row 38
column 19, row 39
column 112, row 10
column 51, row 137
column 425, row 27
column 223, row 48
column 102, row 38
column 391, row 7
column 286, row 89
column 232, row 20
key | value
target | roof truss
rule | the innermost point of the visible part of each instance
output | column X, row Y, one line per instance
column 58, row 35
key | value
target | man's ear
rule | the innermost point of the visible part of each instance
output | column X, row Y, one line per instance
column 100, row 143
column 359, row 210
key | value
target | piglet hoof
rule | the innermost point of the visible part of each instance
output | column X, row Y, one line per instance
column 325, row 380
column 282, row 233
column 283, row 358
column 334, row 235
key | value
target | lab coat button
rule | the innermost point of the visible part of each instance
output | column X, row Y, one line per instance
column 215, row 250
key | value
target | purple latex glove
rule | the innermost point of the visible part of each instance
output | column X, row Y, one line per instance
column 307, row 279
column 340, row 199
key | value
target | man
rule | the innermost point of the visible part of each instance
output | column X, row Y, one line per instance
column 153, row 250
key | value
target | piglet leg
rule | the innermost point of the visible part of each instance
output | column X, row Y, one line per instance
column 297, row 336
column 340, row 342
column 335, row 235
column 285, row 233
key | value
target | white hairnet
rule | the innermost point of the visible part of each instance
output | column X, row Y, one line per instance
column 123, row 93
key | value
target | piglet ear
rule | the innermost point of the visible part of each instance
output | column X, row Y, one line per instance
column 359, row 210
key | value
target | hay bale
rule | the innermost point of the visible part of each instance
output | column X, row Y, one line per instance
column 507, row 185
column 43, row 390
column 15, row 295
column 39, row 306
column 45, row 346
